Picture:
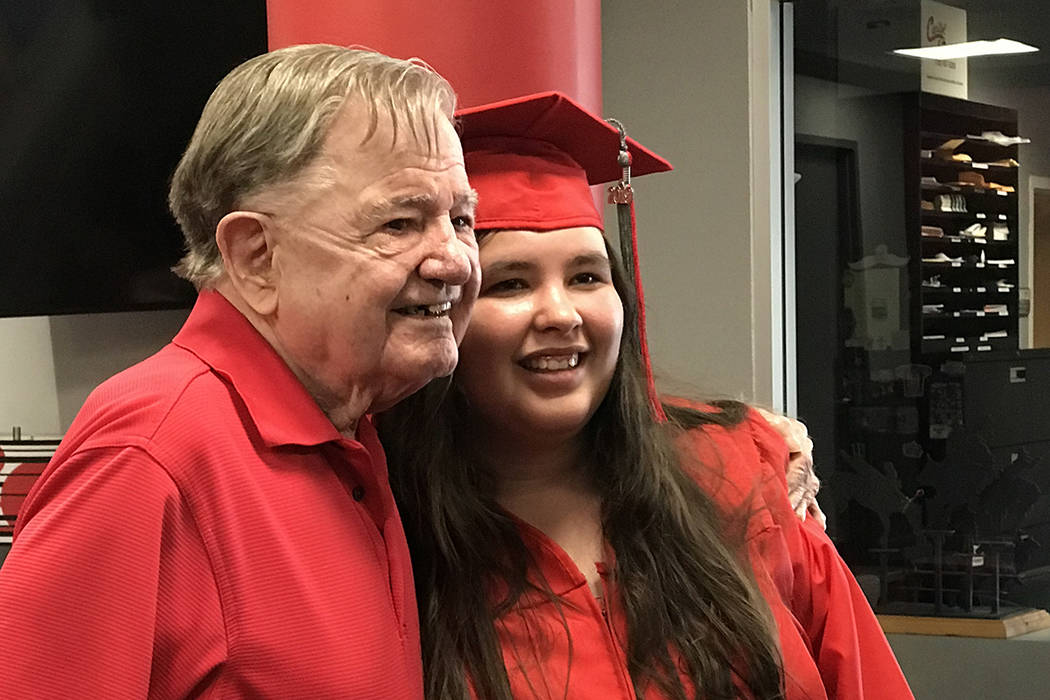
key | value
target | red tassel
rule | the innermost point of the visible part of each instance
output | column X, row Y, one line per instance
column 650, row 384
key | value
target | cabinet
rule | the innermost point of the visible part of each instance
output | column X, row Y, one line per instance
column 961, row 199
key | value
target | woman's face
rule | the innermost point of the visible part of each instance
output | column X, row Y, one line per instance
column 542, row 345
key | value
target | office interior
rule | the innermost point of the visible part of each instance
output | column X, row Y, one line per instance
column 824, row 247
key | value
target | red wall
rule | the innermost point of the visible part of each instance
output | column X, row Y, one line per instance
column 487, row 49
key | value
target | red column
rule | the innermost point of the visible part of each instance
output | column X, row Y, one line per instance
column 489, row 50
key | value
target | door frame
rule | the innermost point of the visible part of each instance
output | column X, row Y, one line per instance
column 1026, row 251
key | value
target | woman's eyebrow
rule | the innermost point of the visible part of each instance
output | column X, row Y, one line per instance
column 506, row 266
column 586, row 259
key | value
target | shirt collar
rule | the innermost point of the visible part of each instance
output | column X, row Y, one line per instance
column 279, row 405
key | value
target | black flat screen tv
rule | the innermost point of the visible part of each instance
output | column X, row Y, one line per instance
column 98, row 99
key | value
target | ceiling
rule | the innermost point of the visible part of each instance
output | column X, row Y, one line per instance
column 852, row 39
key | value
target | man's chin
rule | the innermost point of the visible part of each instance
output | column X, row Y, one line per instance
column 460, row 321
column 408, row 383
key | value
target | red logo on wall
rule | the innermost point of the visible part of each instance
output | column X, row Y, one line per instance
column 18, row 473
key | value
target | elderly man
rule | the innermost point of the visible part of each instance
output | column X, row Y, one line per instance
column 217, row 521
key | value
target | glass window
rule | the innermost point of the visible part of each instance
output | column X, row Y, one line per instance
column 922, row 291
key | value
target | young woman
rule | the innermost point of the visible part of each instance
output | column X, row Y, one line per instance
column 569, row 542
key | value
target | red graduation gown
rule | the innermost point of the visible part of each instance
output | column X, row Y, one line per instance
column 831, row 643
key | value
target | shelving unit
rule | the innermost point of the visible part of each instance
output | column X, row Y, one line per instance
column 915, row 472
column 962, row 227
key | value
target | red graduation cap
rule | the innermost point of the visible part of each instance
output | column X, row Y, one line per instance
column 532, row 160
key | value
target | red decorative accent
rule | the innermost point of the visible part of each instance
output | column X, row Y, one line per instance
column 650, row 383
column 13, row 490
column 488, row 51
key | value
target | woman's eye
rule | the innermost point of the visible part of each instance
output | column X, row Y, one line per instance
column 587, row 278
column 506, row 286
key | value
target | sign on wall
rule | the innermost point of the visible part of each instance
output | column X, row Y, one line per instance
column 943, row 24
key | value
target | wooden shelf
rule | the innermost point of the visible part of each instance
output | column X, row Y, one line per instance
column 944, row 188
column 1019, row 623
column 975, row 215
column 936, row 138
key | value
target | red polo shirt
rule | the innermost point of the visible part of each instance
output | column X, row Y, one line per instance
column 204, row 531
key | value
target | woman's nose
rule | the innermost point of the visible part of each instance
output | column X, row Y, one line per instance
column 557, row 311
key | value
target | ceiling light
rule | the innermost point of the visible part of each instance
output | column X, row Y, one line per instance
column 968, row 49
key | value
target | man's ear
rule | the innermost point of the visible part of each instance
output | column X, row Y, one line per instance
column 246, row 241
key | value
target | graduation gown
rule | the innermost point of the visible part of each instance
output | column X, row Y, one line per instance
column 831, row 643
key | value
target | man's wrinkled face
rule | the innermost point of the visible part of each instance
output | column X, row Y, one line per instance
column 378, row 265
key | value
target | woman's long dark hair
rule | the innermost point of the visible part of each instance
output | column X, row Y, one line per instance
column 690, row 603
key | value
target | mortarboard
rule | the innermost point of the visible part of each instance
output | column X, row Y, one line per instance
column 532, row 160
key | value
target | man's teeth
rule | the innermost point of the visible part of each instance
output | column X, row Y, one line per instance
column 551, row 363
column 427, row 309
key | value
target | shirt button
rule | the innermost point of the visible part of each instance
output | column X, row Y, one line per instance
column 358, row 493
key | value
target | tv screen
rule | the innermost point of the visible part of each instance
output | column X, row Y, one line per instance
column 98, row 99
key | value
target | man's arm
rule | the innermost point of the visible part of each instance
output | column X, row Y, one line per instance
column 94, row 587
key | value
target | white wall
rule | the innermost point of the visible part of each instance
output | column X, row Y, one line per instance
column 48, row 365
column 678, row 78
column 27, row 377
column 91, row 347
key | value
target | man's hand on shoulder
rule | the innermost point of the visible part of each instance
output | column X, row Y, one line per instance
column 802, row 480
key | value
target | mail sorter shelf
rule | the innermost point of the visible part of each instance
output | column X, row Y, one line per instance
column 962, row 218
column 958, row 237
column 942, row 136
column 968, row 191
column 962, row 346
column 1004, row 171
column 1007, row 216
column 961, row 307
column 942, row 199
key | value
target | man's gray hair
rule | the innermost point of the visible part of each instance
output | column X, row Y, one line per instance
column 267, row 120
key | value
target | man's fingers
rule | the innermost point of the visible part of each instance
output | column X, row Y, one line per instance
column 814, row 510
column 801, row 510
column 799, row 472
column 800, row 496
column 802, row 481
column 813, row 484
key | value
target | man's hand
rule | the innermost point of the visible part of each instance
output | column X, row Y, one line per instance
column 802, row 481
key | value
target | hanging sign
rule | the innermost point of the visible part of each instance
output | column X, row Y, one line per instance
column 943, row 24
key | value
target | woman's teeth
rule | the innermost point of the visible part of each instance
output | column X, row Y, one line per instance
column 551, row 363
column 426, row 309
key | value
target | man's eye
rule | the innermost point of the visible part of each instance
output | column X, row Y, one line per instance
column 463, row 223
column 398, row 224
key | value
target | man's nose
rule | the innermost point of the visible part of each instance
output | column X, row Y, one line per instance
column 447, row 260
column 556, row 310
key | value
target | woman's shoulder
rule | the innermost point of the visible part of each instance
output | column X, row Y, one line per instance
column 749, row 446
column 741, row 466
